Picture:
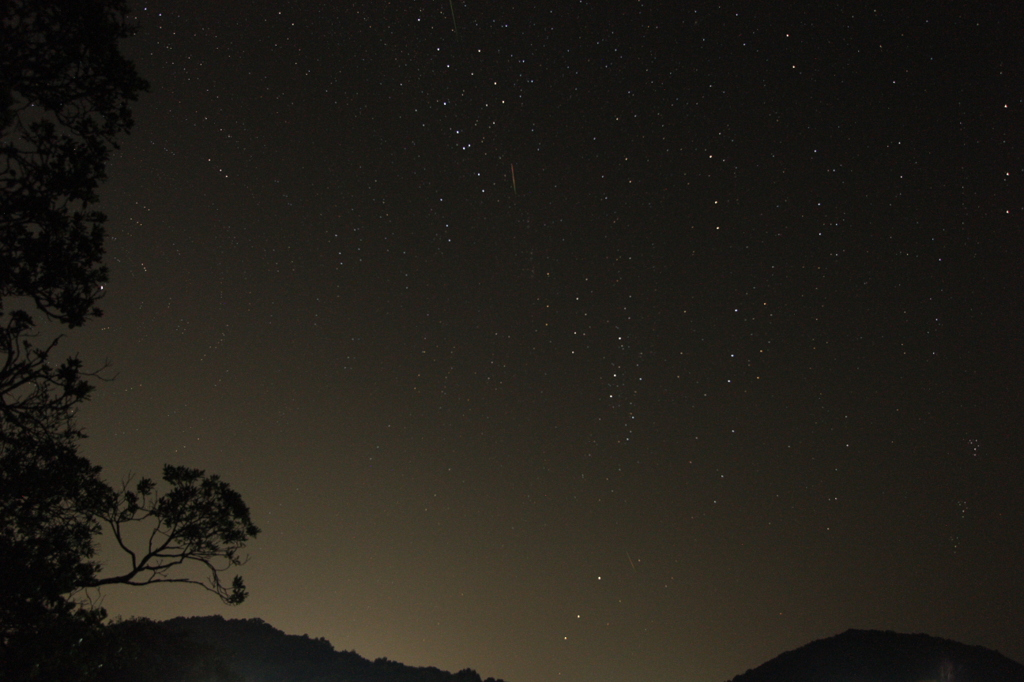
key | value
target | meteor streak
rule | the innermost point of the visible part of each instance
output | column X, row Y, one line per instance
column 451, row 6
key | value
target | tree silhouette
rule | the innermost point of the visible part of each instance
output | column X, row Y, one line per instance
column 53, row 505
column 156, row 653
column 65, row 91
column 200, row 520
column 65, row 94
column 47, row 528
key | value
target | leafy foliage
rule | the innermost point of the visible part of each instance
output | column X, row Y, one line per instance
column 59, row 645
column 46, row 552
column 47, row 497
column 37, row 397
column 65, row 90
column 65, row 94
column 146, row 650
column 200, row 520
column 52, row 507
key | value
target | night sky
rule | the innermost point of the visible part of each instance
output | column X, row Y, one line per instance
column 607, row 341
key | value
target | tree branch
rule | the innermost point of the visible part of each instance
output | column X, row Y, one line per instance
column 201, row 521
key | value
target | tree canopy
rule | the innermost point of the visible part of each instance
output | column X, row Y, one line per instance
column 65, row 95
column 65, row 91
column 200, row 520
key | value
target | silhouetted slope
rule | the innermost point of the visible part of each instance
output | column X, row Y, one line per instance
column 141, row 649
column 875, row 656
column 260, row 653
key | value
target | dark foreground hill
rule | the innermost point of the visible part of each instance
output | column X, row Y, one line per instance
column 875, row 656
column 212, row 648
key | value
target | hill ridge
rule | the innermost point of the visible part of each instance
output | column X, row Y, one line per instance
column 255, row 651
column 886, row 656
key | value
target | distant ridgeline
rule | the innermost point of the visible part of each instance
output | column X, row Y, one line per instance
column 861, row 655
column 211, row 648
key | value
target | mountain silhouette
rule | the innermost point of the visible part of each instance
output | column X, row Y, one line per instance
column 212, row 649
column 877, row 656
column 205, row 648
